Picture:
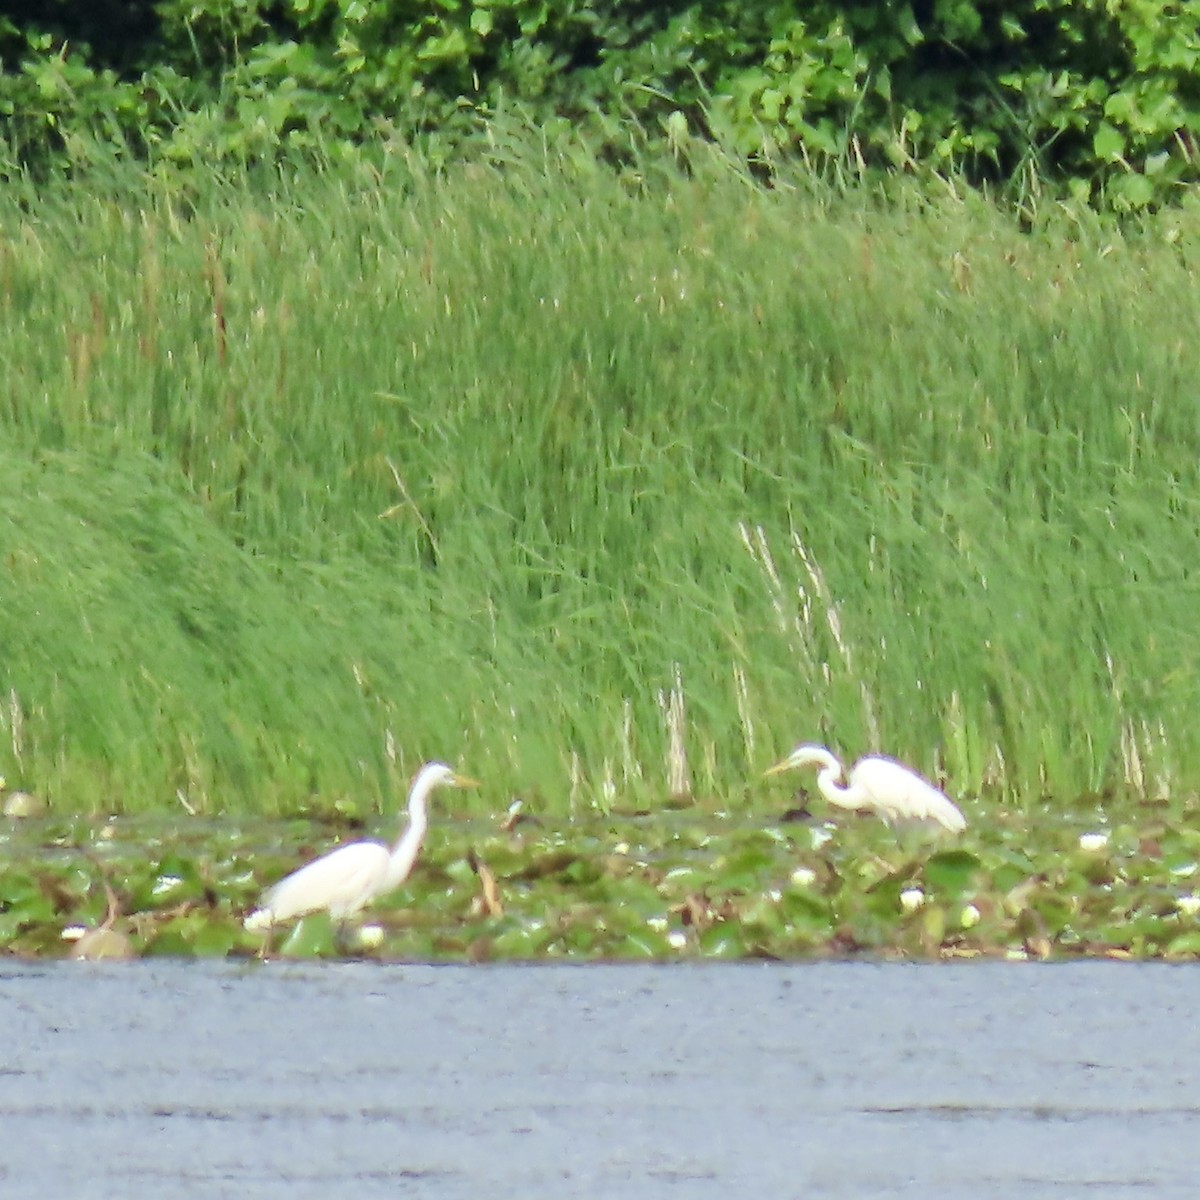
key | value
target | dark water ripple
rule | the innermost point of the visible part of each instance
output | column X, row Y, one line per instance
column 171, row 1079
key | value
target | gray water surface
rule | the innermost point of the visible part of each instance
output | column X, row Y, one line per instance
column 171, row 1079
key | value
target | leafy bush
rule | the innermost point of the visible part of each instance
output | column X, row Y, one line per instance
column 1104, row 95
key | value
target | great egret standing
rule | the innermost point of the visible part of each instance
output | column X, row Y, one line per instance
column 883, row 785
column 346, row 880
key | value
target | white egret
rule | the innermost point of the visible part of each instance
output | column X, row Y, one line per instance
column 347, row 879
column 883, row 785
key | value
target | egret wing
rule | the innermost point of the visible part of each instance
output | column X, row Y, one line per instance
column 899, row 793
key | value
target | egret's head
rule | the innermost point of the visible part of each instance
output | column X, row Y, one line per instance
column 438, row 774
column 431, row 776
column 806, row 754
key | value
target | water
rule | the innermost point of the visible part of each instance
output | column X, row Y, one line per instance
column 172, row 1079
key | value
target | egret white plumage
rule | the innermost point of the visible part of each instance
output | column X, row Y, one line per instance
column 347, row 879
column 882, row 785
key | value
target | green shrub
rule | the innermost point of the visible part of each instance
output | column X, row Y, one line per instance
column 1103, row 96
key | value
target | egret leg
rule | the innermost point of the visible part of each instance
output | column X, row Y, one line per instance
column 342, row 942
column 265, row 945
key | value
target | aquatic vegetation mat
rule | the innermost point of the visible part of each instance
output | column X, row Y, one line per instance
column 682, row 884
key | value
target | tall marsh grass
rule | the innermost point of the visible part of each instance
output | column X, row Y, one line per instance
column 603, row 482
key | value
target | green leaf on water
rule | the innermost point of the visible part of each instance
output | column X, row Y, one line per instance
column 311, row 937
column 807, row 913
column 952, row 872
column 1185, row 943
column 722, row 940
column 642, row 944
column 518, row 940
column 213, row 940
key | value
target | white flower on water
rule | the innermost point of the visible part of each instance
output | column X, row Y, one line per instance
column 804, row 877
column 1093, row 841
column 911, row 899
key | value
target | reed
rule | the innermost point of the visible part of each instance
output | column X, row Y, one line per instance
column 602, row 482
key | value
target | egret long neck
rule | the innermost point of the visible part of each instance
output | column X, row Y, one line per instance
column 408, row 845
column 829, row 781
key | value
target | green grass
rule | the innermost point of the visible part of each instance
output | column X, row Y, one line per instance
column 307, row 477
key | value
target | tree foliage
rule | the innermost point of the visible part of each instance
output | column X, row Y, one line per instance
column 1101, row 94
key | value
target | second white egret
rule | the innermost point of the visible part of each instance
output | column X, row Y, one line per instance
column 882, row 785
